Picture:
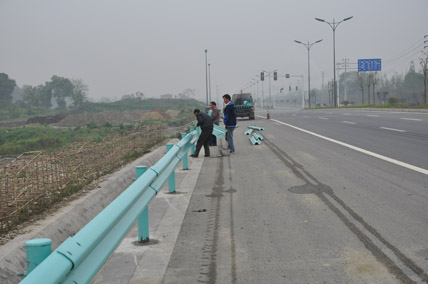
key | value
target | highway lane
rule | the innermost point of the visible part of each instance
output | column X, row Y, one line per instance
column 300, row 209
column 401, row 136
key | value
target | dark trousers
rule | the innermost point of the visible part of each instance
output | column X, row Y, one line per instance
column 204, row 139
column 213, row 140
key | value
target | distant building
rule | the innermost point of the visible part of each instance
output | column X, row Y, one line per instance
column 166, row 96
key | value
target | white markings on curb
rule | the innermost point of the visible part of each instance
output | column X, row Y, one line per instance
column 384, row 158
column 348, row 122
column 392, row 129
column 372, row 115
column 415, row 119
column 322, row 117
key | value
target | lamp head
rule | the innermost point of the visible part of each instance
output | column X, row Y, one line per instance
column 318, row 19
column 298, row 41
column 348, row 18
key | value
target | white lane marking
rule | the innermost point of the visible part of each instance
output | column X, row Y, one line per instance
column 372, row 115
column 349, row 122
column 415, row 119
column 393, row 129
column 381, row 157
column 322, row 117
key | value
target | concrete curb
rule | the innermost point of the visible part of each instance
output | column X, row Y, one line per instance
column 70, row 219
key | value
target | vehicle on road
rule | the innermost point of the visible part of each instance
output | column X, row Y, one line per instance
column 244, row 105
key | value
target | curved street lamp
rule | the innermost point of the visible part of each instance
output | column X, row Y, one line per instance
column 308, row 47
column 333, row 25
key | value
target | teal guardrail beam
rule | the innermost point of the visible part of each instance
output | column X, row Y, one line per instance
column 258, row 136
column 78, row 258
column 248, row 132
column 219, row 131
column 255, row 141
column 255, row 127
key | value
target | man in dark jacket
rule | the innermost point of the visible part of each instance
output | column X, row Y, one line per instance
column 215, row 116
column 229, row 121
column 206, row 124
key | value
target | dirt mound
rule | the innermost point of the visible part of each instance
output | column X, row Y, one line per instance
column 172, row 113
column 157, row 114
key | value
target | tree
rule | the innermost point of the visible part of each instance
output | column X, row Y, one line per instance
column 187, row 94
column 80, row 92
column 60, row 88
column 424, row 64
column 412, row 88
column 139, row 95
column 31, row 97
column 6, row 88
column 375, row 81
column 369, row 79
column 361, row 80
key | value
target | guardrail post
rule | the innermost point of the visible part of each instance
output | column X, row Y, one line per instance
column 143, row 219
column 192, row 148
column 185, row 159
column 37, row 251
column 171, row 179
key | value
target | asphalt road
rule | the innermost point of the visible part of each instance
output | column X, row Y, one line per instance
column 303, row 209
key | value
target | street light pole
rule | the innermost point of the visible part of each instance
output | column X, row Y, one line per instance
column 206, row 75
column 333, row 26
column 209, row 81
column 308, row 47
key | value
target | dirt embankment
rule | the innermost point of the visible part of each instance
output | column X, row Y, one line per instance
column 99, row 118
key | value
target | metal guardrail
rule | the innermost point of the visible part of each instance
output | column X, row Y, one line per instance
column 79, row 258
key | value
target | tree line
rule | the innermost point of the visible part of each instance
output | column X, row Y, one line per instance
column 58, row 90
column 361, row 88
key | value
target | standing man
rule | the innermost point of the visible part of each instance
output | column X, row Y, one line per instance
column 206, row 124
column 215, row 116
column 229, row 121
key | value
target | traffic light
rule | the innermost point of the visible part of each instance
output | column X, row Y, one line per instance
column 262, row 76
column 275, row 76
column 289, row 88
column 287, row 75
column 296, row 88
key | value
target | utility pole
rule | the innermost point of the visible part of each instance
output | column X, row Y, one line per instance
column 209, row 81
column 206, row 75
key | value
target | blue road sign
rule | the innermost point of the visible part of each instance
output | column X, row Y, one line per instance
column 369, row 65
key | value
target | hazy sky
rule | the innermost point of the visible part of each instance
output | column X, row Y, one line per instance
column 157, row 47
